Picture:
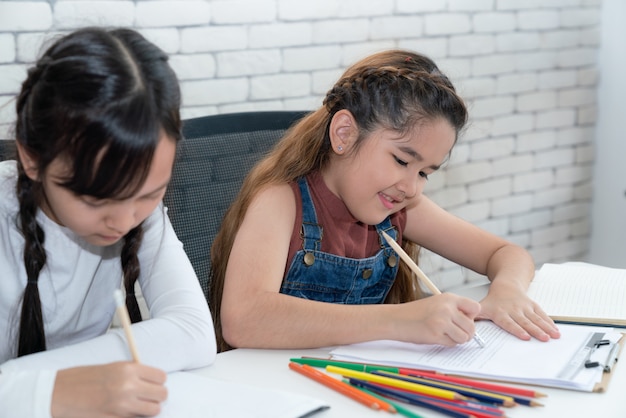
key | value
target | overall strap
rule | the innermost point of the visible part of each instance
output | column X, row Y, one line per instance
column 311, row 232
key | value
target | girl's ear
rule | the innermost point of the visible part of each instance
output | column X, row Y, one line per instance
column 28, row 162
column 343, row 131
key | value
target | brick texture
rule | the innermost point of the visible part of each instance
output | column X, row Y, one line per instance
column 527, row 69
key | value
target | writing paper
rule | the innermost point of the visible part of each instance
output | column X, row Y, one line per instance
column 557, row 363
column 195, row 396
column 581, row 292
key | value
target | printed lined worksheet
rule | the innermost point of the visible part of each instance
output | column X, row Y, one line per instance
column 557, row 363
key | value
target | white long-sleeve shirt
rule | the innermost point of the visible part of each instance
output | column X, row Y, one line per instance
column 76, row 289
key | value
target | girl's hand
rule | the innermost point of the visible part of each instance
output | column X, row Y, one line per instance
column 122, row 389
column 510, row 308
column 444, row 319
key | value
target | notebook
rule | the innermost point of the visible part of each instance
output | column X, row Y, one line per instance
column 581, row 293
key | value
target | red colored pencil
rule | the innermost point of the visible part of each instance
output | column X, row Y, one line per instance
column 478, row 384
column 341, row 387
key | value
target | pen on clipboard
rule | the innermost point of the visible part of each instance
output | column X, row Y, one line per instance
column 122, row 314
column 420, row 274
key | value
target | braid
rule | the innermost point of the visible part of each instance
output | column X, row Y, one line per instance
column 131, row 268
column 397, row 97
column 32, row 337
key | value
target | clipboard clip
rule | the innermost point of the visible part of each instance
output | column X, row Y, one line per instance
column 611, row 357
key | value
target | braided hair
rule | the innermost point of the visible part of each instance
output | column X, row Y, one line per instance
column 394, row 89
column 98, row 98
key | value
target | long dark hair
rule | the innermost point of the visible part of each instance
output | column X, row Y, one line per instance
column 98, row 98
column 394, row 89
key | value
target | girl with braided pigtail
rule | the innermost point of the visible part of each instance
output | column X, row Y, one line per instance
column 300, row 260
column 81, row 216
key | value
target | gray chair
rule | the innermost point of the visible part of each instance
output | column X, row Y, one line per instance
column 7, row 149
column 214, row 157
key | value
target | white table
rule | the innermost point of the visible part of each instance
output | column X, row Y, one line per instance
column 269, row 369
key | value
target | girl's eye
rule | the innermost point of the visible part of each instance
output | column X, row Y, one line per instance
column 423, row 175
column 93, row 202
column 401, row 162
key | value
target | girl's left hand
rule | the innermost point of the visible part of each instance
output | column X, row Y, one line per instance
column 511, row 309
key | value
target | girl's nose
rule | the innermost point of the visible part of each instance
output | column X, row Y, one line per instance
column 411, row 186
column 121, row 218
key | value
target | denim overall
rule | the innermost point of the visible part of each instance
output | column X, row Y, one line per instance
column 327, row 277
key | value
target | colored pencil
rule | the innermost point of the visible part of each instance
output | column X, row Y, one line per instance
column 348, row 365
column 479, row 384
column 469, row 403
column 341, row 387
column 420, row 274
column 429, row 374
column 122, row 313
column 408, row 398
column 416, row 387
column 482, row 395
column 401, row 410
column 505, row 399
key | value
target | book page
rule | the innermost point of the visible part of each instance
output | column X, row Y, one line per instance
column 581, row 291
column 557, row 363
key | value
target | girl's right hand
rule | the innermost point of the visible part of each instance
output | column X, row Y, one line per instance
column 445, row 319
column 122, row 389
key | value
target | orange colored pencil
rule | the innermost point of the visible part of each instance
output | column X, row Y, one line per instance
column 342, row 387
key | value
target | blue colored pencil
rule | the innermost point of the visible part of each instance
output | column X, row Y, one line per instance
column 408, row 398
column 482, row 395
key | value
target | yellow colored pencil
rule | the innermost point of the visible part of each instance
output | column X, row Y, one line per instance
column 420, row 274
column 415, row 387
column 465, row 390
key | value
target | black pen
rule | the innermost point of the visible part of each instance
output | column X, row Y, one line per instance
column 611, row 359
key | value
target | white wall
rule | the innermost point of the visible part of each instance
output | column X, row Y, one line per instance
column 528, row 70
column 608, row 238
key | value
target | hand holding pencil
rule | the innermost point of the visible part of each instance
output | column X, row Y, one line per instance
column 420, row 275
column 121, row 388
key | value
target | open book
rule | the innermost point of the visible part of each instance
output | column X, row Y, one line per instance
column 557, row 363
column 581, row 293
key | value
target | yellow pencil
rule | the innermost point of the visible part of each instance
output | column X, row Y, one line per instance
column 420, row 274
column 415, row 387
column 122, row 313
column 464, row 390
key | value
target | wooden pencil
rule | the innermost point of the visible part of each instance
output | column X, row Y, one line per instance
column 122, row 313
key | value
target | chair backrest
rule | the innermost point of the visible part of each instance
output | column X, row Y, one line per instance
column 217, row 152
column 7, row 149
column 215, row 155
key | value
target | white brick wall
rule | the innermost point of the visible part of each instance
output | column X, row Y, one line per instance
column 528, row 70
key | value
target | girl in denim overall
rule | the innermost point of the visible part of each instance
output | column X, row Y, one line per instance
column 300, row 260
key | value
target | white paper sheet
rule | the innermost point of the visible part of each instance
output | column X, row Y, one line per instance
column 195, row 396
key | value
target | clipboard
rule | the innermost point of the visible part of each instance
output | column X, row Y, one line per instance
column 540, row 365
column 603, row 384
